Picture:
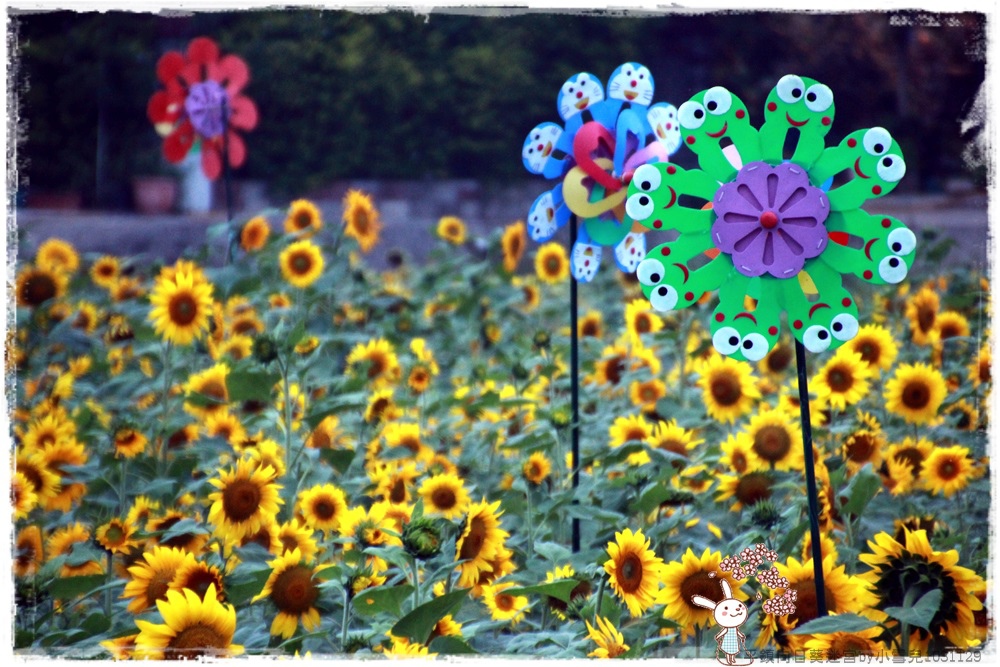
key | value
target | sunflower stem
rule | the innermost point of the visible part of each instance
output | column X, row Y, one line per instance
column 600, row 600
column 416, row 582
column 527, row 518
column 107, row 592
column 345, row 618
column 166, row 391
column 697, row 641
column 904, row 628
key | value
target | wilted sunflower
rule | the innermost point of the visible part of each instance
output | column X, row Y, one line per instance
column 322, row 507
column 480, row 541
column 303, row 219
column 57, row 255
column 36, row 285
column 104, row 271
column 452, row 230
column 777, row 439
column 361, row 220
column 843, row 379
column 181, row 305
column 692, row 575
column 301, row 263
column 254, row 234
column 633, row 570
column 876, row 346
column 948, row 469
column 28, row 555
column 293, row 589
column 380, row 361
column 728, row 388
column 504, row 606
column 915, row 393
column 513, row 243
column 610, row 642
column 906, row 571
column 444, row 494
column 537, row 468
column 551, row 263
column 193, row 627
column 247, row 498
column 922, row 310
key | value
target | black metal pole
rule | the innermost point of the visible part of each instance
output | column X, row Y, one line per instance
column 574, row 379
column 817, row 547
column 227, row 182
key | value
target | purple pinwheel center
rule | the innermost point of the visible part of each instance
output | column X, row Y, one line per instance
column 204, row 105
column 770, row 219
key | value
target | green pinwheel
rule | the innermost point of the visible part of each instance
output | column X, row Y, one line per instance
column 771, row 234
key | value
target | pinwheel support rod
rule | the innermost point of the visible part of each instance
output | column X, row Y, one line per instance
column 574, row 387
column 812, row 493
column 227, row 180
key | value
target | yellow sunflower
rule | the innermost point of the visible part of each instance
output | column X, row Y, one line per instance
column 42, row 481
column 181, row 306
column 748, row 488
column 551, row 263
column 693, row 575
column 303, row 218
column 951, row 324
column 862, row 447
column 326, row 435
column 777, row 439
column 254, row 234
column 591, row 325
column 209, row 385
column 922, row 311
column 738, row 453
column 610, row 642
column 27, row 554
column 86, row 317
column 105, row 271
column 129, row 443
column 197, row 576
column 728, row 388
column 247, row 498
column 513, row 244
column 57, row 255
column 876, row 346
column 480, row 542
column 842, row 645
column 301, row 263
column 633, row 428
column 963, row 415
column 294, row 534
column 504, row 606
column 293, row 589
column 407, row 436
column 444, row 494
column 36, row 285
column 117, row 536
column 361, row 220
column 381, row 407
column 530, row 293
column 843, row 379
column 980, row 370
column 151, row 579
column 192, row 627
column 393, row 480
column 452, row 230
column 537, row 468
column 322, row 507
column 915, row 393
column 948, row 469
column 640, row 319
column 904, row 571
column 633, row 570
column 646, row 395
column 777, row 361
column 22, row 495
column 378, row 359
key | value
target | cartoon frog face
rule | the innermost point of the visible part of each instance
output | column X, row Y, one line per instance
column 662, row 118
column 801, row 102
column 580, row 91
column 878, row 249
column 827, row 319
column 741, row 338
column 631, row 82
column 716, row 126
column 672, row 285
column 538, row 146
column 654, row 197
column 875, row 159
column 657, row 279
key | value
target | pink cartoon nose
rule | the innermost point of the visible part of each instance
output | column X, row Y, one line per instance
column 634, row 83
column 579, row 95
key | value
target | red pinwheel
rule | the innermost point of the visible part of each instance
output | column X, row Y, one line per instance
column 202, row 100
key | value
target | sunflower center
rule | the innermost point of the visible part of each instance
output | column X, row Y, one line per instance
column 361, row 221
column 806, row 608
column 860, row 447
column 183, row 309
column 515, row 246
column 444, row 498
column 739, row 462
column 324, row 509
column 925, row 318
column 303, row 220
column 38, row 289
column 643, row 324
column 589, row 328
column 984, row 370
column 293, row 591
column 845, row 645
column 840, row 379
column 199, row 580
column 473, row 542
column 726, row 390
column 397, row 493
column 911, row 456
column 629, row 573
column 870, row 352
column 965, row 421
column 779, row 359
column 301, row 263
column 114, row 534
column 552, row 265
column 948, row 469
column 195, row 637
column 699, row 583
column 378, row 408
column 158, row 587
column 241, row 499
column 213, row 389
column 916, row 395
column 753, row 488
column 772, row 443
column 614, row 370
column 504, row 601
column 377, row 366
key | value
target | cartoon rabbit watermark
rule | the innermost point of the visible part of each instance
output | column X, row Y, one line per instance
column 730, row 614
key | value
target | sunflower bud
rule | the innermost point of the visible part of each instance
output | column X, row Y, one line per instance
column 264, row 349
column 519, row 371
column 542, row 340
column 422, row 538
column 765, row 514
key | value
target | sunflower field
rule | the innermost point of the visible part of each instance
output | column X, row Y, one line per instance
column 290, row 453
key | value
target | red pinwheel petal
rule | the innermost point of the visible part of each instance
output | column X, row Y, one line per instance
column 211, row 163
column 237, row 150
column 158, row 109
column 169, row 66
column 179, row 142
column 233, row 74
column 244, row 116
column 193, row 73
column 203, row 50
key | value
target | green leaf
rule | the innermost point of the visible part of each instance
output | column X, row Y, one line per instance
column 560, row 589
column 451, row 646
column 862, row 488
column 250, row 385
column 386, row 599
column 97, row 623
column 338, row 459
column 835, row 623
column 619, row 454
column 922, row 613
column 792, row 538
column 418, row 624
column 552, row 551
column 241, row 592
column 71, row 587
column 650, row 499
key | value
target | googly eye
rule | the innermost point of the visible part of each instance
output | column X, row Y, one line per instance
column 663, row 298
column 647, row 178
column 844, row 327
column 816, row 338
column 790, row 88
column 819, row 98
column 892, row 269
column 639, row 206
column 649, row 272
column 718, row 100
column 726, row 340
column 891, row 168
column 691, row 115
column 754, row 347
column 901, row 241
column 877, row 141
